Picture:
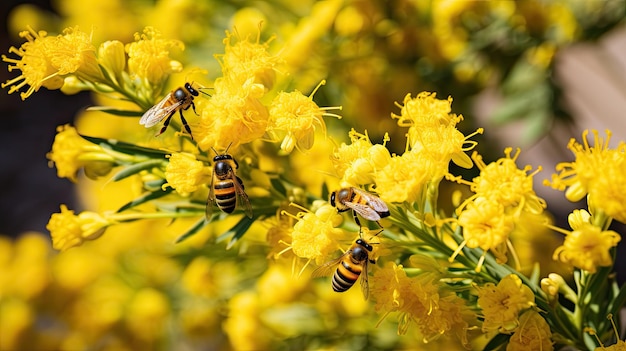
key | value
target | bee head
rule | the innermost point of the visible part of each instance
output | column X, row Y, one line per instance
column 332, row 198
column 364, row 244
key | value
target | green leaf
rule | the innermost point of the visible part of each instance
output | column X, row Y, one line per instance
column 237, row 231
column 193, row 230
column 496, row 342
column 126, row 148
column 115, row 111
column 145, row 198
column 278, row 185
column 136, row 168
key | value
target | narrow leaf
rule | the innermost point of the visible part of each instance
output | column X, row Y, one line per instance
column 125, row 147
column 237, row 231
column 193, row 230
column 278, row 185
column 136, row 168
column 115, row 111
column 145, row 198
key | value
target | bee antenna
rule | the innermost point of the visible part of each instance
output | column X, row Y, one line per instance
column 225, row 151
column 201, row 90
column 228, row 147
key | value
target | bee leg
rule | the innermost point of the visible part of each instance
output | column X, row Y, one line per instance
column 356, row 219
column 165, row 124
column 193, row 106
column 185, row 124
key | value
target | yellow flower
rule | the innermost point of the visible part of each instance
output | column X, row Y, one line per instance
column 46, row 61
column 597, row 171
column 487, row 226
column 296, row 116
column 233, row 116
column 403, row 179
column 314, row 236
column 426, row 111
column 73, row 52
column 70, row 152
column 149, row 56
column 248, row 60
column 501, row 304
column 112, row 57
column 533, row 334
column 424, row 300
column 440, row 145
column 35, row 64
column 501, row 181
column 432, row 133
column 186, row 174
column 555, row 284
column 69, row 230
column 586, row 246
column 358, row 162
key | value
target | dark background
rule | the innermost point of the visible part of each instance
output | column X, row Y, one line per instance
column 30, row 190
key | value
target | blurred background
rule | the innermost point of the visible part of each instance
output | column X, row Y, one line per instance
column 532, row 73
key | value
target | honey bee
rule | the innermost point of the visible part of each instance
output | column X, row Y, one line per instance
column 226, row 188
column 349, row 266
column 367, row 205
column 177, row 100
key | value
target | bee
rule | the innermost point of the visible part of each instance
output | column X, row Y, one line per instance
column 177, row 100
column 367, row 205
column 349, row 266
column 226, row 188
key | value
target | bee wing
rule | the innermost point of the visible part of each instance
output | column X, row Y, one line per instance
column 210, row 201
column 158, row 112
column 328, row 268
column 365, row 285
column 374, row 201
column 364, row 210
column 242, row 197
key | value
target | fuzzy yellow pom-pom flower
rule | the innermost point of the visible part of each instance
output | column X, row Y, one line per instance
column 69, row 230
column 586, row 246
column 502, row 303
column 186, row 174
column 149, row 56
column 297, row 116
column 597, row 171
column 45, row 60
column 70, row 152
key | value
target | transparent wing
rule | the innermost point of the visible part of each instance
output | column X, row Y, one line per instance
column 374, row 201
column 328, row 268
column 210, row 201
column 242, row 197
column 158, row 112
column 365, row 285
column 364, row 210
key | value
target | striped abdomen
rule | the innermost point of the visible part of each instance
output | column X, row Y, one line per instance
column 346, row 274
column 225, row 195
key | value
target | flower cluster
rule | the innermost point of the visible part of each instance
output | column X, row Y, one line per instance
column 173, row 270
column 502, row 193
